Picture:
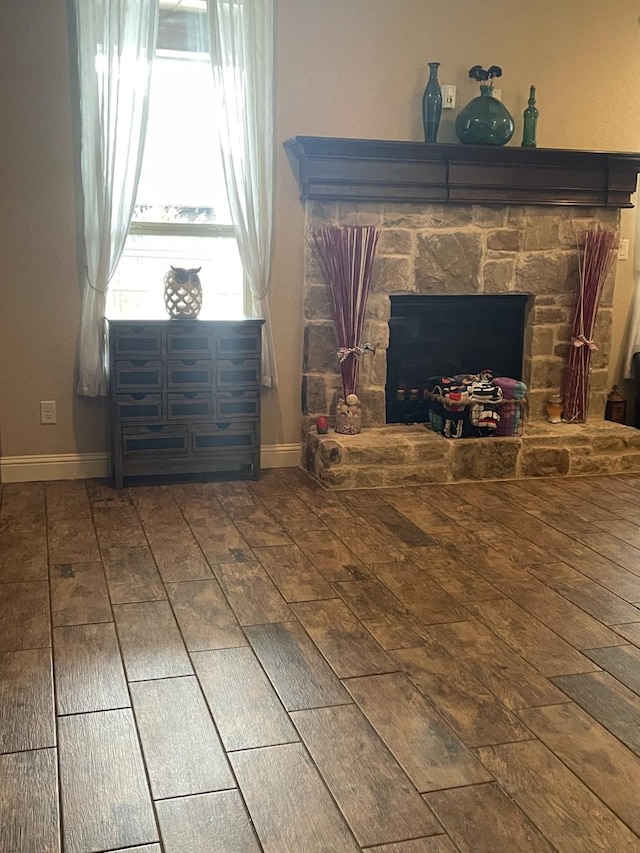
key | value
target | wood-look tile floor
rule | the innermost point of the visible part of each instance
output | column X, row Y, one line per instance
column 266, row 666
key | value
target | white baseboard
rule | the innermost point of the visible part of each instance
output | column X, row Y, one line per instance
column 85, row 466
column 64, row 466
column 280, row 455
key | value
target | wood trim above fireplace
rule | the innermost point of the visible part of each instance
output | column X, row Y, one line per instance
column 434, row 173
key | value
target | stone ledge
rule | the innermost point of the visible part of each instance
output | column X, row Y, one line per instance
column 398, row 454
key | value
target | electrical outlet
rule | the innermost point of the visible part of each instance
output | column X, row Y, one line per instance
column 47, row 411
column 448, row 96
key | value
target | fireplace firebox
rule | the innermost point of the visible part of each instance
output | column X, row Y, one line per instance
column 435, row 335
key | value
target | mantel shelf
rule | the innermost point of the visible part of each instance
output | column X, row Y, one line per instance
column 433, row 173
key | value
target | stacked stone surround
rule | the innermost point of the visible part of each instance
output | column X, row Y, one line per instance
column 456, row 250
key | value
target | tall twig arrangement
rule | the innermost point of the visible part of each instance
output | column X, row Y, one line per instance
column 345, row 255
column 596, row 253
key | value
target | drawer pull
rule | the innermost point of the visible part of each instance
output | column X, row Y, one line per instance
column 158, row 428
column 138, row 362
column 190, row 395
column 223, row 425
column 237, row 393
column 189, row 361
column 237, row 361
column 138, row 396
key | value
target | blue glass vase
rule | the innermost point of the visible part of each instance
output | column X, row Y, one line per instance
column 484, row 121
column 432, row 104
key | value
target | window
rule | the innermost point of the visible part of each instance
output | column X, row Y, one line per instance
column 181, row 216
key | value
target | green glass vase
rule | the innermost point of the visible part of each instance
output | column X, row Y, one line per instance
column 484, row 121
column 432, row 104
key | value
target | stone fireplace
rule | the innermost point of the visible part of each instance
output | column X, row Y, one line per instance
column 447, row 250
column 517, row 243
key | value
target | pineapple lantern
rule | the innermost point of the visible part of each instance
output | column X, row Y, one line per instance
column 183, row 292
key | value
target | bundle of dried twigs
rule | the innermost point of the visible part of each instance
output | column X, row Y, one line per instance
column 597, row 249
column 345, row 255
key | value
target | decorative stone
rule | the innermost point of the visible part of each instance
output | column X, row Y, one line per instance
column 359, row 213
column 316, row 303
column 320, row 348
column 505, row 240
column 543, row 314
column 593, row 465
column 543, row 338
column 434, row 449
column 378, row 307
column 392, row 275
column 541, row 232
column 380, row 453
column 376, row 332
column 447, row 216
column 485, row 459
column 488, row 217
column 544, row 462
column 351, row 400
column 448, row 263
column 497, row 276
column 606, row 300
column 374, row 406
column 313, row 273
column 547, row 372
column 314, row 394
column 413, row 475
column 516, row 217
column 629, row 462
column 395, row 241
column 607, row 443
column 325, row 212
column 538, row 272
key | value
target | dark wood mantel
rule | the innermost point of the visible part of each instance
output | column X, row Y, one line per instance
column 378, row 170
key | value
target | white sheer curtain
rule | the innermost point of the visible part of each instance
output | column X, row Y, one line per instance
column 116, row 44
column 242, row 61
column 633, row 330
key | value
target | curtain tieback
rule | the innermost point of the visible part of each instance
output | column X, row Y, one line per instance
column 582, row 341
column 345, row 352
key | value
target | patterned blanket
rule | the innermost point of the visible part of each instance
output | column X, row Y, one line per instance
column 470, row 405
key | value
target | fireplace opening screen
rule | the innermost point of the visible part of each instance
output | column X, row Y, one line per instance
column 445, row 336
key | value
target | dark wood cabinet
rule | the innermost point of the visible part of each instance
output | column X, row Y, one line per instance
column 184, row 397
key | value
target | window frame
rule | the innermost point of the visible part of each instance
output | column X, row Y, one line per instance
column 179, row 229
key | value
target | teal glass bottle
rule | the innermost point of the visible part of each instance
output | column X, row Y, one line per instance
column 432, row 104
column 485, row 120
column 530, row 116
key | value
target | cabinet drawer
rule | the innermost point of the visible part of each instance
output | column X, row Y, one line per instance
column 233, row 404
column 189, row 406
column 138, row 374
column 138, row 407
column 207, row 438
column 190, row 373
column 138, row 441
column 238, row 373
column 238, row 340
column 137, row 340
column 188, row 339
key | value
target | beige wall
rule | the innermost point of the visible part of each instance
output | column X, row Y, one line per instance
column 344, row 68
